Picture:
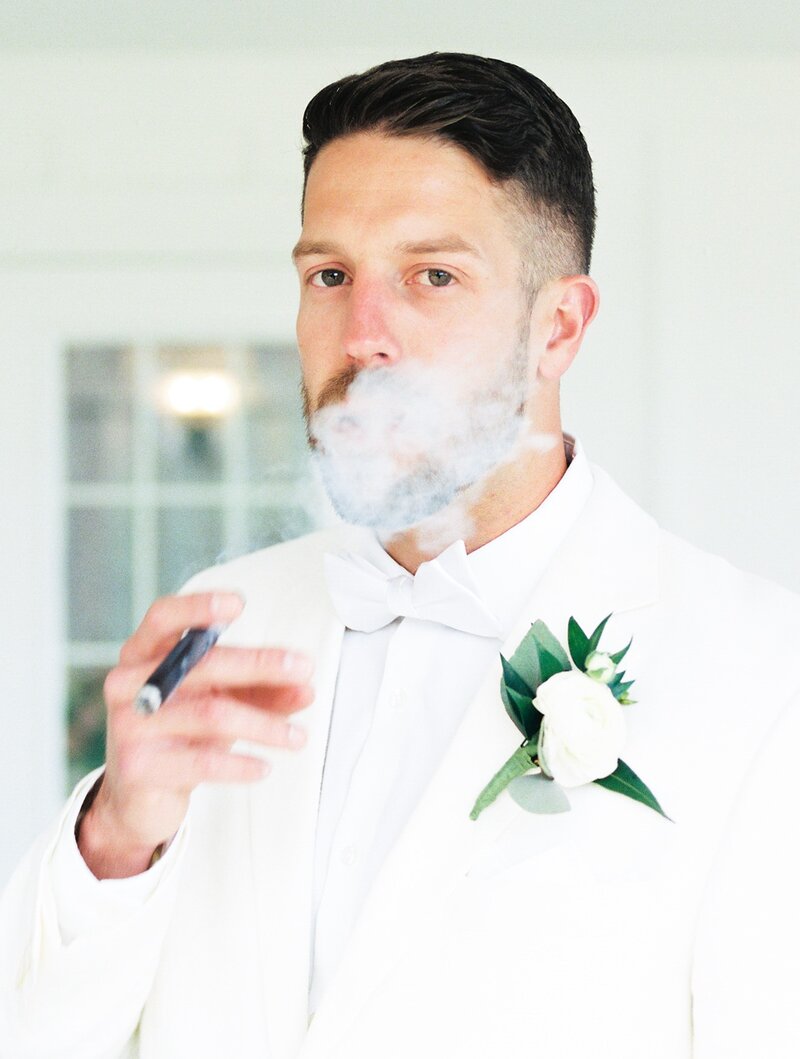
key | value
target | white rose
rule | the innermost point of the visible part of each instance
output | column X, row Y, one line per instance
column 600, row 666
column 583, row 728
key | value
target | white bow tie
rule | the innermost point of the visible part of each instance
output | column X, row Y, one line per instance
column 442, row 590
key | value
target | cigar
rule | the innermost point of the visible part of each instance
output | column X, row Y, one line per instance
column 184, row 656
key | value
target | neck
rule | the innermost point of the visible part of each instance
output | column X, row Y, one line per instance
column 487, row 510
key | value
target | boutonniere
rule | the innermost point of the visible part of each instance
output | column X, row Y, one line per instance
column 571, row 714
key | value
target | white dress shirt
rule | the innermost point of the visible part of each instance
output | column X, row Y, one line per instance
column 400, row 695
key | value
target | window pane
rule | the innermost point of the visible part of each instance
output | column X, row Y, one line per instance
column 189, row 540
column 189, row 452
column 86, row 718
column 190, row 441
column 99, row 549
column 99, row 414
column 274, row 432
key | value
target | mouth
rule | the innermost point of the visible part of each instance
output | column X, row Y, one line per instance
column 339, row 429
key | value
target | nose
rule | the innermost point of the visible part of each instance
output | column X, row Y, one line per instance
column 368, row 337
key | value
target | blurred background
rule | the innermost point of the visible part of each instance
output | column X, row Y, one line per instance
column 149, row 197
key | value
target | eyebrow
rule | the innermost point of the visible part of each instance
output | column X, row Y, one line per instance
column 448, row 244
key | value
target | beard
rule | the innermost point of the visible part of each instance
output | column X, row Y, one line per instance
column 397, row 445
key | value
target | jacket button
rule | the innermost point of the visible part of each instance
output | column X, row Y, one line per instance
column 348, row 856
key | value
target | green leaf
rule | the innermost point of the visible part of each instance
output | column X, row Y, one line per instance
column 525, row 662
column 619, row 655
column 538, row 794
column 624, row 780
column 550, row 665
column 615, row 681
column 594, row 639
column 619, row 687
column 578, row 643
column 520, row 762
column 529, row 717
column 512, row 678
column 552, row 656
column 547, row 643
column 511, row 706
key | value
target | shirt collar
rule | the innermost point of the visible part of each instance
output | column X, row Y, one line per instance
column 509, row 567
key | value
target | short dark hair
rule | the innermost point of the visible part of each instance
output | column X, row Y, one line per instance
column 525, row 137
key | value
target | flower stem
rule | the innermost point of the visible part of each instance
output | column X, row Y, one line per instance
column 520, row 762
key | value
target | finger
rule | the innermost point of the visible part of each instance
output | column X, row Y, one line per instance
column 225, row 719
column 242, row 667
column 181, row 765
column 273, row 673
column 170, row 616
column 283, row 700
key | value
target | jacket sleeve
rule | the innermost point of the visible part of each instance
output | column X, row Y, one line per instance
column 78, row 955
column 746, row 976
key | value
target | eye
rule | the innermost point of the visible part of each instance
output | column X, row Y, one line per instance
column 436, row 277
column 328, row 277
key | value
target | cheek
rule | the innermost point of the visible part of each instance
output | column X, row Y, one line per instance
column 489, row 333
column 317, row 346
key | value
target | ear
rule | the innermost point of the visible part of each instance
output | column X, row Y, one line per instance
column 568, row 307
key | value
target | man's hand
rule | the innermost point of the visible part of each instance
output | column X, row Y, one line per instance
column 155, row 762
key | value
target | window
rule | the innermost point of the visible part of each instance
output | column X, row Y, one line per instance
column 177, row 457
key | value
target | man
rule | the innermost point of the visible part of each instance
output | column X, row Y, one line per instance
column 345, row 904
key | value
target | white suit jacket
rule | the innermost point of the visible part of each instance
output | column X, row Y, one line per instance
column 604, row 932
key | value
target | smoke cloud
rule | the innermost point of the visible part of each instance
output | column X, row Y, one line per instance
column 397, row 445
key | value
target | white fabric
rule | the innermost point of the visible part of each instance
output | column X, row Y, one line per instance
column 83, row 904
column 442, row 590
column 606, row 931
column 401, row 693
column 396, row 708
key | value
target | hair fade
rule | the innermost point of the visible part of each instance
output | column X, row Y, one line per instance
column 525, row 137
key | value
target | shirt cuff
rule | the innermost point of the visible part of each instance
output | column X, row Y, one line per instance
column 84, row 903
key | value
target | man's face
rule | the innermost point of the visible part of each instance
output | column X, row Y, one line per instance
column 412, row 327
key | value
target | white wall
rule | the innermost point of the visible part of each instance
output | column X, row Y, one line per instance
column 157, row 197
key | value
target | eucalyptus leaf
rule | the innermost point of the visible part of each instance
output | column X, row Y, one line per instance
column 594, row 639
column 545, row 639
column 578, row 644
column 624, row 780
column 537, row 794
column 525, row 662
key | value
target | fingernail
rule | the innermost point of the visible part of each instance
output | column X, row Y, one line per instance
column 297, row 665
column 296, row 736
column 227, row 605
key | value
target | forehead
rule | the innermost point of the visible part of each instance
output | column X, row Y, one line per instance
column 367, row 183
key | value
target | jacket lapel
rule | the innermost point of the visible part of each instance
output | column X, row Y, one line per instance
column 283, row 809
column 608, row 562
column 283, row 823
